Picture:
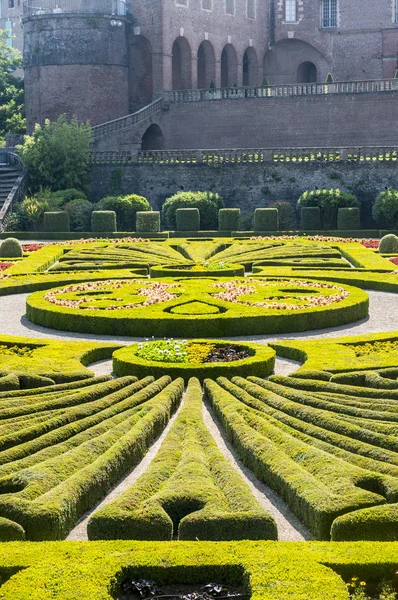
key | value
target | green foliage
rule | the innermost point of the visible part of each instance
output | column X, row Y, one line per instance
column 10, row 531
column 56, row 155
column 266, row 219
column 229, row 219
column 329, row 78
column 329, row 201
column 11, row 248
column 103, row 221
column 311, row 218
column 388, row 244
column 57, row 221
column 29, row 215
column 207, row 203
column 126, row 208
column 188, row 219
column 12, row 110
column 115, row 185
column 148, row 222
column 348, row 219
column 80, row 214
column 265, row 82
column 212, row 85
column 285, row 214
column 385, row 209
column 64, row 196
column 188, row 475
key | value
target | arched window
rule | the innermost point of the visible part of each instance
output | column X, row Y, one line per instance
column 290, row 11
column 9, row 33
column 329, row 13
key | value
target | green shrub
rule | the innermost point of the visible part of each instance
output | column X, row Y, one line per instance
column 348, row 219
column 126, row 208
column 148, row 222
column 79, row 214
column 103, row 221
column 207, row 203
column 182, row 493
column 188, row 219
column 385, row 209
column 28, row 215
column 11, row 531
column 65, row 196
column 9, row 382
column 229, row 219
column 373, row 524
column 56, row 221
column 311, row 218
column 11, row 248
column 286, row 214
column 388, row 244
column 329, row 201
column 266, row 219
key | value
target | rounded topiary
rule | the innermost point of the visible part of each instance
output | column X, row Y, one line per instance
column 11, row 248
column 388, row 244
column 207, row 203
column 11, row 531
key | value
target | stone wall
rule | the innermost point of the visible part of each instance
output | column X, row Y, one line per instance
column 247, row 186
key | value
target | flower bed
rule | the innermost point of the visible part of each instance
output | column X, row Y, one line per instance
column 207, row 268
column 197, row 358
column 5, row 265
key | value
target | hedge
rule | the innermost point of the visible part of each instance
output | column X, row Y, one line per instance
column 298, row 460
column 180, row 271
column 103, row 221
column 189, row 492
column 229, row 219
column 265, row 570
column 207, row 203
column 348, row 219
column 88, row 448
column 261, row 362
column 266, row 219
column 192, row 318
column 11, row 248
column 57, row 221
column 188, row 219
column 311, row 218
column 148, row 222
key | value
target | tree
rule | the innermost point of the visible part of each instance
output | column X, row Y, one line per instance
column 56, row 155
column 12, row 110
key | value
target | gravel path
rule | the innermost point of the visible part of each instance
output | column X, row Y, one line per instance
column 105, row 367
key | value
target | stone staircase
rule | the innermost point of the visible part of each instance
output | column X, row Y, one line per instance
column 8, row 177
column 12, row 183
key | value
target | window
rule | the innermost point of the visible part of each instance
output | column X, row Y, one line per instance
column 206, row 4
column 9, row 33
column 290, row 11
column 396, row 11
column 329, row 13
column 251, row 9
column 230, row 7
column 11, row 3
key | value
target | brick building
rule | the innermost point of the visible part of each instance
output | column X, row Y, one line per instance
column 104, row 59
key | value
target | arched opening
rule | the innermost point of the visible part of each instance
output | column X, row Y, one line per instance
column 284, row 63
column 306, row 73
column 206, row 65
column 153, row 138
column 140, row 72
column 229, row 66
column 181, row 64
column 250, row 68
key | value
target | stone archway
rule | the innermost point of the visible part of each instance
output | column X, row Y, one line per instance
column 140, row 72
column 206, row 65
column 229, row 66
column 307, row 73
column 282, row 64
column 181, row 64
column 250, row 68
column 153, row 138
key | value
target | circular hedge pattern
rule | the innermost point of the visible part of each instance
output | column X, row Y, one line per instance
column 205, row 307
column 261, row 363
column 196, row 271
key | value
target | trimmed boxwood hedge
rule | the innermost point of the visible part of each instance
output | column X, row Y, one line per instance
column 167, row 271
column 190, row 491
column 261, row 363
column 231, row 319
column 57, row 221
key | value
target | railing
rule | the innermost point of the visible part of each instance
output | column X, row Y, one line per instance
column 138, row 117
column 247, row 156
column 18, row 192
column 106, row 7
column 283, row 91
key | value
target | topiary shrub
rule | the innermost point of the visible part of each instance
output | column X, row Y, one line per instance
column 79, row 214
column 103, row 221
column 207, row 203
column 348, row 219
column 11, row 248
column 188, row 219
column 385, row 209
column 328, row 201
column 286, row 214
column 11, row 531
column 64, row 196
column 311, row 218
column 229, row 219
column 126, row 208
column 388, row 244
column 148, row 222
column 56, row 221
column 266, row 219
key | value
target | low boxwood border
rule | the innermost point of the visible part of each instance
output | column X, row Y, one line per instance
column 261, row 363
column 166, row 271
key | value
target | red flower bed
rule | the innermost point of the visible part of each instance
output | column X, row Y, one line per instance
column 32, row 247
column 371, row 243
column 5, row 265
column 394, row 260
